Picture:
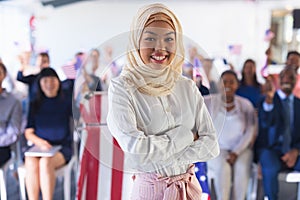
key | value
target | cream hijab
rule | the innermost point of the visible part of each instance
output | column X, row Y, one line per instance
column 150, row 81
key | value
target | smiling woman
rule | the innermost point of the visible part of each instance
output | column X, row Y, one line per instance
column 234, row 120
column 157, row 116
column 50, row 86
column 157, row 45
column 48, row 125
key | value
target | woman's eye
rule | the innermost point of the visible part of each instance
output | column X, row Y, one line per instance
column 149, row 39
column 169, row 39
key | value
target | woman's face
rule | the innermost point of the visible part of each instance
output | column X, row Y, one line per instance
column 249, row 69
column 50, row 86
column 158, row 44
column 230, row 85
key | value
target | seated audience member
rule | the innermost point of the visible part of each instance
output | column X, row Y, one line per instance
column 89, row 71
column 88, row 82
column 234, row 119
column 208, row 66
column 249, row 87
column 42, row 61
column 293, row 60
column 10, row 119
column 7, row 83
column 48, row 124
column 108, row 66
column 278, row 141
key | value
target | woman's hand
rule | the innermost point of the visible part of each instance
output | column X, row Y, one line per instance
column 31, row 136
column 43, row 144
column 270, row 91
column 232, row 158
column 196, row 136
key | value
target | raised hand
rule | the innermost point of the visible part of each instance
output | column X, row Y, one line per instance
column 269, row 90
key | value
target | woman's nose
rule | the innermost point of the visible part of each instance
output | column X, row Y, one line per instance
column 160, row 45
column 226, row 84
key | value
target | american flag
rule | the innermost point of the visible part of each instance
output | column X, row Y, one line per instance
column 69, row 71
column 201, row 174
column 235, row 49
column 196, row 67
column 269, row 35
column 101, row 175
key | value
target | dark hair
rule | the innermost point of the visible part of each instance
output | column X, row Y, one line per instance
column 40, row 96
column 230, row 72
column 292, row 53
column 286, row 70
column 79, row 54
column 44, row 55
column 256, row 83
column 3, row 67
column 47, row 72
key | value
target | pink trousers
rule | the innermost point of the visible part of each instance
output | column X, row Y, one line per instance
column 153, row 187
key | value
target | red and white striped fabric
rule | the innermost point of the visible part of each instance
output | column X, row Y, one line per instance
column 69, row 71
column 101, row 175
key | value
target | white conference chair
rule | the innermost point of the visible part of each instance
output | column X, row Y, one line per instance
column 253, row 181
column 286, row 176
column 291, row 177
column 64, row 172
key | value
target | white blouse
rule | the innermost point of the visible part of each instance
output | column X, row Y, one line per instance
column 156, row 133
column 235, row 128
